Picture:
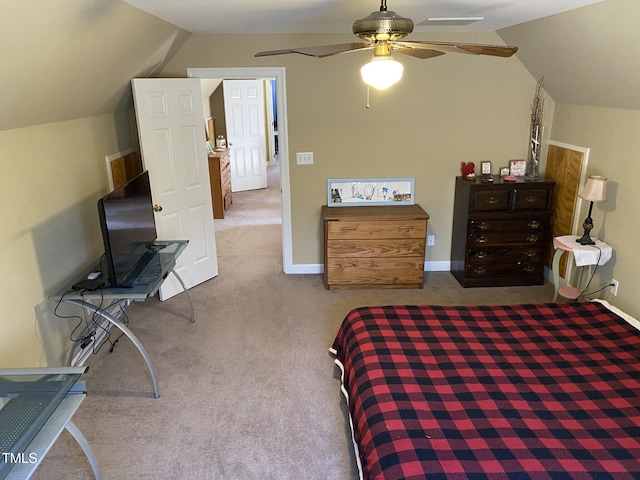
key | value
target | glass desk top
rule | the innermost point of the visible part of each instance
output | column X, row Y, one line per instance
column 145, row 283
column 28, row 397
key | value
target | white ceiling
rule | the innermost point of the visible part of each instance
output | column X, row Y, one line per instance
column 337, row 16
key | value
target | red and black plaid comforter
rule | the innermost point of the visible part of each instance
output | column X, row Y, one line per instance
column 549, row 391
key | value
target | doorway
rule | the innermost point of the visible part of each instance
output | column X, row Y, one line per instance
column 276, row 74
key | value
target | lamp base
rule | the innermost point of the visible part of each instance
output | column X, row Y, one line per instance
column 585, row 239
column 587, row 226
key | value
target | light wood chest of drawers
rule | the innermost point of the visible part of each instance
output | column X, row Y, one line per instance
column 501, row 232
column 374, row 247
column 220, row 180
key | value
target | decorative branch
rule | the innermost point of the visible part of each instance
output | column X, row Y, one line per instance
column 537, row 106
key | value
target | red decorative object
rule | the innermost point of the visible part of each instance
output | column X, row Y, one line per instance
column 466, row 169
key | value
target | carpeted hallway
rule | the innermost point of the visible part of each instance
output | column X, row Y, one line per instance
column 249, row 391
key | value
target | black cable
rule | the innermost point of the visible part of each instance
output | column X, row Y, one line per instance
column 81, row 320
column 593, row 274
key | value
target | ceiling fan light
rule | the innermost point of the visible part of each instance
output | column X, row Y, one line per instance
column 381, row 72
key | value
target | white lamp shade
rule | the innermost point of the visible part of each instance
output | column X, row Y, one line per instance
column 595, row 190
column 381, row 72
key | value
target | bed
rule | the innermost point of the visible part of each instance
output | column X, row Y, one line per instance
column 544, row 391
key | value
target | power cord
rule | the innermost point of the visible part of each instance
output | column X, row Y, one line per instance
column 86, row 329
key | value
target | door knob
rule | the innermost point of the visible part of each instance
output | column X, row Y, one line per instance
column 157, row 208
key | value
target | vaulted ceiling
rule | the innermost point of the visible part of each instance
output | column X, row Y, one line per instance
column 336, row 16
column 67, row 59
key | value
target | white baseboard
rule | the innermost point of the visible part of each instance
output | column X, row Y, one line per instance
column 312, row 268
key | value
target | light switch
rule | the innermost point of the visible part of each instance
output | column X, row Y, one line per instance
column 304, row 158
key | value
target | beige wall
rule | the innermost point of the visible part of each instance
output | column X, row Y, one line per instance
column 53, row 175
column 445, row 111
column 614, row 143
column 66, row 68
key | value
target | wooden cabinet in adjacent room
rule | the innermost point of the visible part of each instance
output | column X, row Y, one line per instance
column 220, row 178
column 501, row 231
column 374, row 246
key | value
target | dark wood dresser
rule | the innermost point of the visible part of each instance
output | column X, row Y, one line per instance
column 220, row 179
column 374, row 246
column 501, row 231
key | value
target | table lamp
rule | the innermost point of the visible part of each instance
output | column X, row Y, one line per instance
column 594, row 191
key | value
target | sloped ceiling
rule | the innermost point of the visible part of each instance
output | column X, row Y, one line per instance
column 65, row 59
column 336, row 16
column 588, row 56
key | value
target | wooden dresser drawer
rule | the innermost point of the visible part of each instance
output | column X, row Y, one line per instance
column 397, row 247
column 483, row 270
column 507, row 254
column 490, row 200
column 532, row 199
column 510, row 224
column 373, row 229
column 506, row 238
column 376, row 272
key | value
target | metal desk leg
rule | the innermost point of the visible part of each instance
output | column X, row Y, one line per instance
column 186, row 292
column 124, row 330
column 86, row 448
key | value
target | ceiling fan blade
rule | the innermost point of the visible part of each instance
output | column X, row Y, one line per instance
column 471, row 48
column 422, row 53
column 320, row 51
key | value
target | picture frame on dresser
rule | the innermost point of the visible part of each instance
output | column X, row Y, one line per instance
column 518, row 168
column 370, row 191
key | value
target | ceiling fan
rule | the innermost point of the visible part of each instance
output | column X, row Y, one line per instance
column 384, row 31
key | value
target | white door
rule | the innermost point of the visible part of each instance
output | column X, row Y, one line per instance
column 172, row 143
column 246, row 133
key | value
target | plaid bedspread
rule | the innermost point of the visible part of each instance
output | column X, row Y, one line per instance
column 548, row 391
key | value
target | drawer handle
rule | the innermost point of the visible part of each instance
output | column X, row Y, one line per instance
column 534, row 224
column 484, row 226
column 529, row 269
column 533, row 239
column 479, row 270
column 481, row 255
column 481, row 239
column 492, row 200
column 531, row 199
column 531, row 253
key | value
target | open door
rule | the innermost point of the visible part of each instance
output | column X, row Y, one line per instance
column 244, row 107
column 171, row 129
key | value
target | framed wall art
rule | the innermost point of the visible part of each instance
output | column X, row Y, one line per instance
column 370, row 191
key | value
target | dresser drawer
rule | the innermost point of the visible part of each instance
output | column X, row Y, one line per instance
column 376, row 248
column 508, row 254
column 531, row 199
column 375, row 272
column 505, row 238
column 490, row 200
column 515, row 224
column 504, row 269
column 376, row 230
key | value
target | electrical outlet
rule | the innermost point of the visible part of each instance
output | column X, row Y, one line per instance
column 431, row 240
column 614, row 286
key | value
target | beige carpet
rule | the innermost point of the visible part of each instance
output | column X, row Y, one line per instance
column 249, row 391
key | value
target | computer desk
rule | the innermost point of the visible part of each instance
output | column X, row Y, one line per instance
column 36, row 404
column 94, row 300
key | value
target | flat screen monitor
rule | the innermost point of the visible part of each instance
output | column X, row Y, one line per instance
column 128, row 228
